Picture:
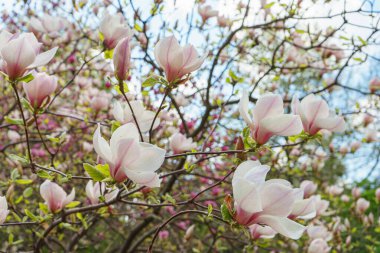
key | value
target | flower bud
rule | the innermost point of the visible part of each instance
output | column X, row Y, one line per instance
column 122, row 59
column 40, row 88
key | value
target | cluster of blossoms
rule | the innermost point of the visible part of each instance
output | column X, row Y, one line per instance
column 129, row 159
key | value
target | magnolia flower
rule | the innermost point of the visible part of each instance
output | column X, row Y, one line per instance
column 179, row 143
column 362, row 205
column 321, row 205
column 122, row 58
column 55, row 197
column 335, row 190
column 377, row 194
column 371, row 135
column 113, row 28
column 123, row 114
column 223, row 21
column 94, row 191
column 320, row 231
column 3, row 209
column 308, row 188
column 263, row 202
column 269, row 118
column 129, row 158
column 258, row 231
column 100, row 102
column 175, row 60
column 315, row 115
column 207, row 12
column 318, row 246
column 20, row 53
column 48, row 24
column 41, row 87
column 374, row 84
column 303, row 208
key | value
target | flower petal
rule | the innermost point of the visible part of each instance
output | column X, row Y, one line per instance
column 101, row 146
column 246, row 196
column 243, row 108
column 151, row 160
column 283, row 226
column 43, row 58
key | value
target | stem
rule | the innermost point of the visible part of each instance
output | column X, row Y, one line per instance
column 13, row 84
column 158, row 111
column 121, row 87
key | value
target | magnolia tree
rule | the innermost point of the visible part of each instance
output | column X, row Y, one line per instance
column 182, row 126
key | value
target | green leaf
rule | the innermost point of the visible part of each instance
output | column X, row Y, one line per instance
column 43, row 174
column 18, row 158
column 267, row 6
column 104, row 169
column 73, row 204
column 93, row 172
column 44, row 208
column 26, row 79
column 27, row 105
column 137, row 27
column 24, row 181
column 225, row 213
column 13, row 121
column 150, row 81
column 15, row 174
column 31, row 215
column 209, row 209
column 364, row 43
column 27, row 192
column 108, row 54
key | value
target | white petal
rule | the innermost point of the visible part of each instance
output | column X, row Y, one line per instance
column 268, row 105
column 243, row 108
column 277, row 199
column 118, row 112
column 334, row 124
column 125, row 152
column 101, row 146
column 127, row 131
column 283, row 226
column 284, row 125
column 150, row 179
column 43, row 58
column 152, row 157
column 304, row 209
column 246, row 196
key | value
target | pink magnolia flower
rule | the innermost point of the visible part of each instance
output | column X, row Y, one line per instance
column 207, row 12
column 175, row 60
column 21, row 53
column 308, row 187
column 114, row 28
column 100, row 101
column 303, row 208
column 356, row 192
column 315, row 115
column 263, row 202
column 128, row 157
column 95, row 190
column 335, row 190
column 55, row 197
column 223, row 21
column 374, row 84
column 163, row 234
column 377, row 194
column 269, row 118
column 48, row 25
column 122, row 58
column 179, row 143
column 321, row 205
column 123, row 114
column 259, row 231
column 362, row 205
column 3, row 210
column 40, row 88
column 318, row 246
column 319, row 231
